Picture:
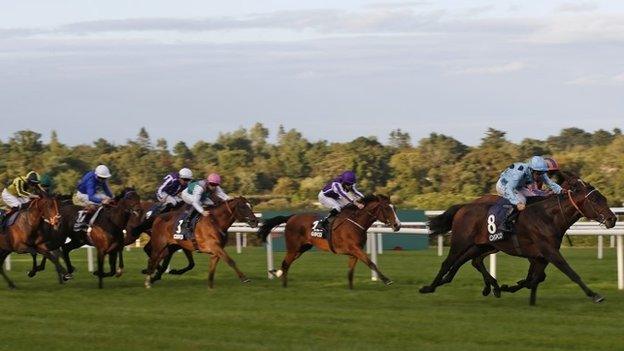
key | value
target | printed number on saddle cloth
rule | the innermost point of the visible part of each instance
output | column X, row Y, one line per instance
column 492, row 229
column 317, row 231
column 178, row 233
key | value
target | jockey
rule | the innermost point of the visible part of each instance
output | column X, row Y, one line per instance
column 513, row 182
column 21, row 190
column 553, row 171
column 92, row 191
column 46, row 183
column 198, row 193
column 338, row 193
column 173, row 184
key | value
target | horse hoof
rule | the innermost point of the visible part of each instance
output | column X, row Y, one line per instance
column 66, row 277
column 426, row 290
column 497, row 293
column 245, row 280
column 486, row 291
column 119, row 273
column 597, row 298
column 504, row 287
column 175, row 272
column 12, row 286
column 31, row 273
column 144, row 271
column 389, row 282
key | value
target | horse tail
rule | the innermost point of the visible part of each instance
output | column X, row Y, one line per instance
column 443, row 223
column 269, row 224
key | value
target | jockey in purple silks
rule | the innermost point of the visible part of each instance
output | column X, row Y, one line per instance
column 169, row 192
column 338, row 193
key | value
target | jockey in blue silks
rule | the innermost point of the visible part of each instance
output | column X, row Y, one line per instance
column 513, row 183
column 338, row 193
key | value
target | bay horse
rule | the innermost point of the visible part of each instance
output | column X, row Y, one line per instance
column 139, row 225
column 23, row 235
column 210, row 237
column 540, row 229
column 107, row 231
column 348, row 234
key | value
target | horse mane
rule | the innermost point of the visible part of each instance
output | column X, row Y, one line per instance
column 124, row 192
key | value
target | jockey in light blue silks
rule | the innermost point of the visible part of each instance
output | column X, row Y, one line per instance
column 338, row 193
column 513, row 182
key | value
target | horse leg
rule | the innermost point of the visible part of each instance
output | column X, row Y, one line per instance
column 362, row 256
column 352, row 263
column 553, row 256
column 67, row 248
column 521, row 284
column 218, row 251
column 454, row 253
column 488, row 280
column 112, row 262
column 60, row 270
column 148, row 251
column 100, row 269
column 538, row 275
column 3, row 256
column 33, row 271
column 191, row 264
column 120, row 270
column 214, row 259
column 162, row 267
column 472, row 252
column 155, row 258
column 41, row 266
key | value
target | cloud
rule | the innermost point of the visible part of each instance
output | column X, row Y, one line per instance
column 577, row 7
column 598, row 80
column 488, row 70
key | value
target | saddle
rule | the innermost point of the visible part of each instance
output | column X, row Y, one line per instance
column 7, row 218
column 186, row 222
column 323, row 232
column 497, row 214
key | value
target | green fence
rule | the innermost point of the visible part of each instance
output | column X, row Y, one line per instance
column 390, row 241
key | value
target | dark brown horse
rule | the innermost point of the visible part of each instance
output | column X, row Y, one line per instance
column 540, row 229
column 107, row 231
column 210, row 237
column 24, row 236
column 348, row 234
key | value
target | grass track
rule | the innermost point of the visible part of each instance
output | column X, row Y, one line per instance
column 316, row 311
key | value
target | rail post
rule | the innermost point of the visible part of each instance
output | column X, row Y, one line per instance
column 269, row 251
column 492, row 258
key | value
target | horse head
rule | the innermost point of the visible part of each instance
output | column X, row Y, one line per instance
column 589, row 202
column 380, row 208
column 47, row 208
column 129, row 200
column 242, row 211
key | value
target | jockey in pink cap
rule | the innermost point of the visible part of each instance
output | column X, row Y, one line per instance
column 198, row 194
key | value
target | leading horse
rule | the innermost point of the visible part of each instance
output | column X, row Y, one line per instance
column 540, row 229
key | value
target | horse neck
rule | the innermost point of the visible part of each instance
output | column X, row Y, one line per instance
column 563, row 213
column 224, row 217
column 365, row 218
column 33, row 217
column 118, row 215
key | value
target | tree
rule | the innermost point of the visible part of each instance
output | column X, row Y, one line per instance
column 399, row 139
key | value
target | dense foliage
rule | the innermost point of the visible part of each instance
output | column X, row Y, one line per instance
column 437, row 171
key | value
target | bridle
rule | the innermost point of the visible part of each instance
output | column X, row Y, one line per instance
column 374, row 214
column 578, row 208
column 52, row 219
column 247, row 218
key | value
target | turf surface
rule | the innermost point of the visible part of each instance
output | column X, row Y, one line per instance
column 316, row 311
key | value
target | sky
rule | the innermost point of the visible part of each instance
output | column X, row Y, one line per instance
column 334, row 70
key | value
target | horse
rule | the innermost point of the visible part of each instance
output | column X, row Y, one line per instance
column 348, row 234
column 210, row 237
column 144, row 225
column 540, row 229
column 23, row 236
column 107, row 231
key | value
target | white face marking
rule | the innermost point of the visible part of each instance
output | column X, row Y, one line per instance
column 395, row 215
column 248, row 204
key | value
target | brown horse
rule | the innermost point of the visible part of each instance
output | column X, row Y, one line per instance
column 142, row 224
column 210, row 237
column 107, row 231
column 540, row 229
column 23, row 236
column 348, row 235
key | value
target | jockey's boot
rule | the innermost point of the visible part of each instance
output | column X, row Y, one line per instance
column 325, row 221
column 509, row 223
column 81, row 220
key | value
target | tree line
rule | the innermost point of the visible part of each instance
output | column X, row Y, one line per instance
column 434, row 172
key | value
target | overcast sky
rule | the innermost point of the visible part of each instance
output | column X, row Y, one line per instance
column 335, row 70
